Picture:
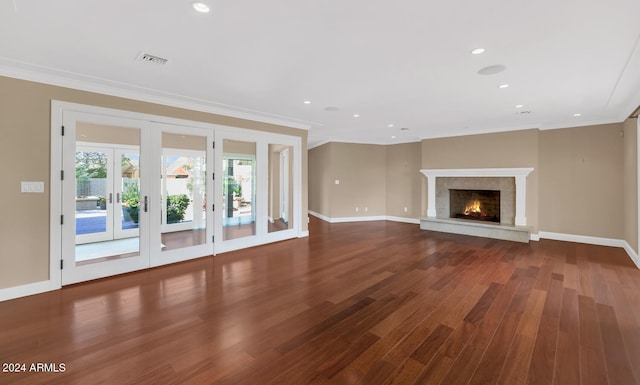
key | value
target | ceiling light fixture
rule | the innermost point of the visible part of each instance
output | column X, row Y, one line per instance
column 503, row 86
column 356, row 115
column 393, row 137
column 477, row 51
column 391, row 125
column 520, row 106
column 307, row 102
column 200, row 7
column 577, row 114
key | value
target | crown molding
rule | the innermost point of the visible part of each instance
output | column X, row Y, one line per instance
column 54, row 77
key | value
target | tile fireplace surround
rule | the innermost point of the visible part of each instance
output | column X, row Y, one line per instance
column 512, row 183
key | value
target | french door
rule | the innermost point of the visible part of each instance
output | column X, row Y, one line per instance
column 137, row 191
column 105, row 196
column 183, row 224
column 134, row 195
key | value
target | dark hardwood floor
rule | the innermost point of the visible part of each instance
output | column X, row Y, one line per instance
column 355, row 303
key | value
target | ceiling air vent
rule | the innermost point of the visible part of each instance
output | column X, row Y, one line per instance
column 151, row 59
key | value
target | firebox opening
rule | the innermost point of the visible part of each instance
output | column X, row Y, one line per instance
column 478, row 205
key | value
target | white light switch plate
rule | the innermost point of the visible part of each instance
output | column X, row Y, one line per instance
column 32, row 187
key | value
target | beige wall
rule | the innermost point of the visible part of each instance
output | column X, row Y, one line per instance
column 404, row 180
column 630, row 181
column 504, row 149
column 382, row 180
column 24, row 155
column 320, row 179
column 360, row 168
column 581, row 181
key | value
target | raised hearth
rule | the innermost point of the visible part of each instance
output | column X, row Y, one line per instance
column 477, row 229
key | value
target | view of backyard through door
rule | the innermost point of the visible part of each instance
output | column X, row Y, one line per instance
column 239, row 189
column 107, row 199
column 183, row 196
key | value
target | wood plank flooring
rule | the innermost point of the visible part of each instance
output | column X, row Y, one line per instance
column 355, row 303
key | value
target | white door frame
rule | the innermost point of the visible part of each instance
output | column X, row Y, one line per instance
column 74, row 272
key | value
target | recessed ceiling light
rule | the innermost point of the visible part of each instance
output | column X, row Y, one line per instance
column 391, row 125
column 503, row 86
column 307, row 102
column 356, row 115
column 520, row 106
column 393, row 137
column 477, row 51
column 577, row 114
column 200, row 7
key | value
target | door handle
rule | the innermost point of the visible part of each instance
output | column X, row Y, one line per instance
column 110, row 197
column 146, row 204
column 117, row 197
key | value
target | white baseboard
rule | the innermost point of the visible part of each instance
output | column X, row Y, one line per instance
column 594, row 241
column 24, row 290
column 303, row 234
column 632, row 254
column 534, row 237
column 358, row 219
column 319, row 216
column 325, row 218
column 414, row 221
column 582, row 239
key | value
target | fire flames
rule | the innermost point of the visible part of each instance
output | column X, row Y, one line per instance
column 473, row 209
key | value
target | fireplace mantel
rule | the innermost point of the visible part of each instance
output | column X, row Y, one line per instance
column 520, row 175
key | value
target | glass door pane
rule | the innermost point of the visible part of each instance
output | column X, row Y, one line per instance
column 94, row 194
column 183, row 191
column 127, row 202
column 239, row 189
column 109, row 170
column 280, row 188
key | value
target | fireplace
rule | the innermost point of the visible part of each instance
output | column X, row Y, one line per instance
column 504, row 219
column 478, row 205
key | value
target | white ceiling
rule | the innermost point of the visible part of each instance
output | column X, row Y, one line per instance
column 406, row 63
